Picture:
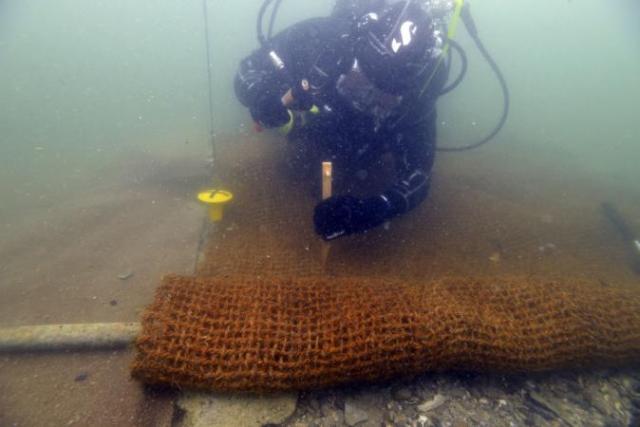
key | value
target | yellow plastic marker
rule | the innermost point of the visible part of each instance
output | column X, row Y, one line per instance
column 216, row 200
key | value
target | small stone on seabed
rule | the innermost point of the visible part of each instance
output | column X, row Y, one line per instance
column 354, row 415
column 113, row 302
column 402, row 393
column 432, row 404
column 125, row 276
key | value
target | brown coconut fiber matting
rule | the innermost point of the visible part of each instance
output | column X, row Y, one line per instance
column 257, row 335
column 488, row 214
column 264, row 313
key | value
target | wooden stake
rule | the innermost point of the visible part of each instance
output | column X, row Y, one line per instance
column 327, row 178
column 327, row 187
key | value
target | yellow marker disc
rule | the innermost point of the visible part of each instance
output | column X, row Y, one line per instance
column 215, row 199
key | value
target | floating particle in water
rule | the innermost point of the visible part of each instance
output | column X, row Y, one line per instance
column 547, row 248
column 81, row 377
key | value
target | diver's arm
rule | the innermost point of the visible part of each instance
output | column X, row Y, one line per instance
column 313, row 52
column 343, row 215
column 265, row 76
column 259, row 87
column 413, row 153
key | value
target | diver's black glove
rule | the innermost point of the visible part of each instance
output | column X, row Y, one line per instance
column 343, row 215
column 268, row 111
column 302, row 100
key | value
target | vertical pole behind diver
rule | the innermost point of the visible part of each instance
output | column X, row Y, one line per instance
column 205, row 222
column 205, row 14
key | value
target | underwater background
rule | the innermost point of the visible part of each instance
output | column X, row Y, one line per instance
column 104, row 140
column 89, row 81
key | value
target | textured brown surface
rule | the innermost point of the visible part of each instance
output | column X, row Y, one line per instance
column 280, row 334
column 489, row 213
column 263, row 314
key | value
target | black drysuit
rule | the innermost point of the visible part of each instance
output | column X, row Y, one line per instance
column 320, row 50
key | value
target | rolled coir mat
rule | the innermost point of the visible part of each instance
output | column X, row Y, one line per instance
column 268, row 334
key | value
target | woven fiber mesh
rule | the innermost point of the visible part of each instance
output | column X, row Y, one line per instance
column 306, row 333
column 474, row 210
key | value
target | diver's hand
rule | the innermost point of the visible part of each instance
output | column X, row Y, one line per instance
column 269, row 112
column 298, row 97
column 343, row 215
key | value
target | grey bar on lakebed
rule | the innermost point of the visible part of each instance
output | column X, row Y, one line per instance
column 63, row 337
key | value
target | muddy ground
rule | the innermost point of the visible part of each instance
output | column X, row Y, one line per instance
column 63, row 260
column 491, row 212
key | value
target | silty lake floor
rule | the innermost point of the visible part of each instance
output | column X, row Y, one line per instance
column 491, row 212
column 94, row 255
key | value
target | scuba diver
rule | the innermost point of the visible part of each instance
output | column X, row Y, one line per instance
column 349, row 88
